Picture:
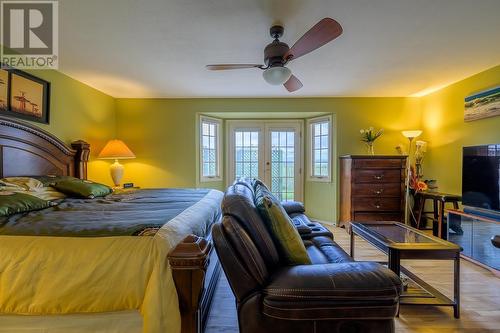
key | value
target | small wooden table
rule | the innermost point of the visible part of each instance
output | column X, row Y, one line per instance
column 439, row 200
column 400, row 241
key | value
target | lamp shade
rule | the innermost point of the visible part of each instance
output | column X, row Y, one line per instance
column 115, row 149
column 412, row 133
column 277, row 75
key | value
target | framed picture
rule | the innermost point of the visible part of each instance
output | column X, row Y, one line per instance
column 27, row 96
column 481, row 105
column 4, row 89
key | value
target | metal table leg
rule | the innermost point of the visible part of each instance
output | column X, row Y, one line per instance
column 456, row 286
column 352, row 244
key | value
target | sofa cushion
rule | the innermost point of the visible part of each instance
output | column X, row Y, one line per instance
column 293, row 207
column 280, row 225
column 331, row 291
column 238, row 202
column 323, row 250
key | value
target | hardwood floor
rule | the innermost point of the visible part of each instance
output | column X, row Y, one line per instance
column 480, row 294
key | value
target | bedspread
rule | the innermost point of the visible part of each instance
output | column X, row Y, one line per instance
column 43, row 275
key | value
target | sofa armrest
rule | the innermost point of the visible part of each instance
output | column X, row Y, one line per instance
column 333, row 291
column 339, row 281
column 293, row 207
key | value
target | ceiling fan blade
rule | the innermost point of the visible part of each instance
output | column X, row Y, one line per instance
column 221, row 67
column 323, row 32
column 293, row 84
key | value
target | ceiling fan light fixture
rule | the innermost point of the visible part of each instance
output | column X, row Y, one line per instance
column 277, row 75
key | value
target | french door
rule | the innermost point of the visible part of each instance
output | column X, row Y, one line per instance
column 268, row 150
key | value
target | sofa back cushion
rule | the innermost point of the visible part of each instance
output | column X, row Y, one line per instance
column 287, row 238
column 238, row 203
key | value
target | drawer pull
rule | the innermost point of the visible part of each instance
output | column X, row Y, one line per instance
column 378, row 191
column 378, row 177
column 377, row 206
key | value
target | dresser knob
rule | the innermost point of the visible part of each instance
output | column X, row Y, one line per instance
column 377, row 206
column 378, row 177
column 378, row 191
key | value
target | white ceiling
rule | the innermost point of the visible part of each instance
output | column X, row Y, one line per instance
column 158, row 48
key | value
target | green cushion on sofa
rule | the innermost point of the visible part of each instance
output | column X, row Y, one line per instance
column 16, row 202
column 281, row 227
column 82, row 188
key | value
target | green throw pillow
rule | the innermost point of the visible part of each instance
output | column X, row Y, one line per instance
column 50, row 180
column 82, row 188
column 281, row 226
column 16, row 202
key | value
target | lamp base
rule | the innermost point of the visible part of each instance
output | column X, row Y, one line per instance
column 116, row 171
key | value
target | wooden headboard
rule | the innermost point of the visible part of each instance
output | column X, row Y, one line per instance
column 26, row 150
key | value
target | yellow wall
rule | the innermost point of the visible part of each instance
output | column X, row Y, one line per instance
column 445, row 129
column 162, row 133
column 78, row 111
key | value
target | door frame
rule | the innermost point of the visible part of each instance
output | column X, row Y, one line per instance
column 264, row 126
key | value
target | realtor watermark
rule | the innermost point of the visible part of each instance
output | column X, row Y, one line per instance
column 29, row 34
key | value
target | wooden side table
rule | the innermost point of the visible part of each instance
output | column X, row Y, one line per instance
column 439, row 201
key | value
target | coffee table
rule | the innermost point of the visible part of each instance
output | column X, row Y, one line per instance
column 400, row 241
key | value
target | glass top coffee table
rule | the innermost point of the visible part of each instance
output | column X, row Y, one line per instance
column 400, row 241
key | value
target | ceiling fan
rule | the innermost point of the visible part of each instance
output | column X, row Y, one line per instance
column 277, row 54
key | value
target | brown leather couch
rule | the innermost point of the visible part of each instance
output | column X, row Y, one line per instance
column 334, row 294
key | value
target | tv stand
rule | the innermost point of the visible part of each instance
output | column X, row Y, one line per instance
column 482, row 212
column 474, row 232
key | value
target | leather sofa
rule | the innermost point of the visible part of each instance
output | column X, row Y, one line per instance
column 334, row 294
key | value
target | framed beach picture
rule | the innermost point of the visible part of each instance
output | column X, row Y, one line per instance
column 481, row 105
column 4, row 89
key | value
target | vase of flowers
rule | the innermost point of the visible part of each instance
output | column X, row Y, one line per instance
column 368, row 136
column 419, row 157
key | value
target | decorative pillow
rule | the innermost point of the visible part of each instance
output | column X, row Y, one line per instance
column 281, row 227
column 26, row 183
column 32, row 186
column 82, row 188
column 17, row 202
column 50, row 180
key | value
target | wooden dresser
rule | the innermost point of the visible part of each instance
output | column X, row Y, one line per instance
column 372, row 188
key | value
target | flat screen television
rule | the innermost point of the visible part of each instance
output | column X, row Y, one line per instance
column 481, row 177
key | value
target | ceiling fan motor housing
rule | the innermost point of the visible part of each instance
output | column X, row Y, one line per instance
column 274, row 52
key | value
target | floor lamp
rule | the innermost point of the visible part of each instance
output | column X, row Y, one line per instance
column 410, row 135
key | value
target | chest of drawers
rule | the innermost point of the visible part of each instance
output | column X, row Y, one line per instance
column 371, row 188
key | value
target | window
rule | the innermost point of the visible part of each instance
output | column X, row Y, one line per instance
column 246, row 154
column 320, row 142
column 210, row 149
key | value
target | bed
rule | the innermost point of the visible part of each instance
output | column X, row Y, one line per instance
column 134, row 261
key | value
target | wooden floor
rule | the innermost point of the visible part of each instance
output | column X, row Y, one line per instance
column 480, row 297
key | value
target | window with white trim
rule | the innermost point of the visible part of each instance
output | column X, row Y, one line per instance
column 210, row 149
column 320, row 130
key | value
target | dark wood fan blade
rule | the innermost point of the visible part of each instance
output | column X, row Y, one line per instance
column 293, row 84
column 323, row 32
column 221, row 67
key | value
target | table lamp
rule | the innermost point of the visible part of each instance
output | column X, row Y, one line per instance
column 115, row 150
column 410, row 135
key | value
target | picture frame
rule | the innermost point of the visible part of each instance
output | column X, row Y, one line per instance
column 4, row 89
column 483, row 104
column 27, row 96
